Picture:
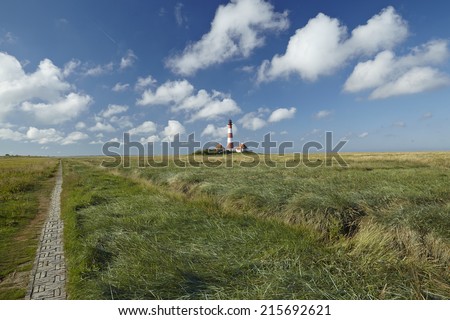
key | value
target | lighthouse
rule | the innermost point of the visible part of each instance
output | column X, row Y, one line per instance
column 230, row 145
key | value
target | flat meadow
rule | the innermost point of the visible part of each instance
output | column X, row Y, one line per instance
column 223, row 227
column 378, row 228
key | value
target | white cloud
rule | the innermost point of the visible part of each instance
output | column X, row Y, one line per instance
column 151, row 139
column 8, row 134
column 169, row 92
column 236, row 30
column 251, row 121
column 173, row 128
column 118, row 87
column 70, row 67
column 115, row 140
column 143, row 83
column 255, row 120
column 7, row 125
column 323, row 45
column 74, row 137
column 416, row 80
column 97, row 142
column 215, row 108
column 60, row 111
column 105, row 127
column 43, row 136
column 99, row 70
column 178, row 14
column 281, row 114
column 128, row 60
column 19, row 91
column 122, row 121
column 217, row 132
column 147, row 127
column 388, row 75
column 112, row 110
column 363, row 135
column 322, row 114
column 180, row 96
column 80, row 125
column 247, row 69
column 46, row 83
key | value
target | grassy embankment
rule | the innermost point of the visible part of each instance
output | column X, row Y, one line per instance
column 25, row 188
column 379, row 229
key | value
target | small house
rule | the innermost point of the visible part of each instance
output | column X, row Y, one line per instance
column 242, row 148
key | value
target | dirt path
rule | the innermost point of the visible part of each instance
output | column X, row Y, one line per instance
column 48, row 277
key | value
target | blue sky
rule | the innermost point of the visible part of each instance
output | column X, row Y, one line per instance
column 76, row 74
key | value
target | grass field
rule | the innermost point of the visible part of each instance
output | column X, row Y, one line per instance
column 25, row 186
column 377, row 229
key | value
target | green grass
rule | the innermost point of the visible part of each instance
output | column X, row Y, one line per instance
column 378, row 229
column 24, row 185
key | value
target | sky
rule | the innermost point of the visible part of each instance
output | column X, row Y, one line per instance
column 77, row 74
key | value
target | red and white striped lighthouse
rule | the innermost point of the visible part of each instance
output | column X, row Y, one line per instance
column 230, row 145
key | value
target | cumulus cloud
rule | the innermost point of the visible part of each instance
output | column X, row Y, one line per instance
column 256, row 120
column 74, row 137
column 169, row 92
column 413, row 81
column 122, row 121
column 147, row 127
column 388, row 75
column 119, row 87
column 181, row 96
column 43, row 136
column 19, row 91
column 173, row 128
column 8, row 134
column 128, row 60
column 281, row 114
column 216, row 107
column 60, row 111
column 252, row 121
column 150, row 139
column 143, row 83
column 80, row 125
column 214, row 132
column 99, row 70
column 323, row 45
column 112, row 110
column 236, row 30
column 104, row 127
column 322, row 114
column 70, row 67
column 217, row 132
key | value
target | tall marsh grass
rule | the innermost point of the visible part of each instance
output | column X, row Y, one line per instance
column 378, row 229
